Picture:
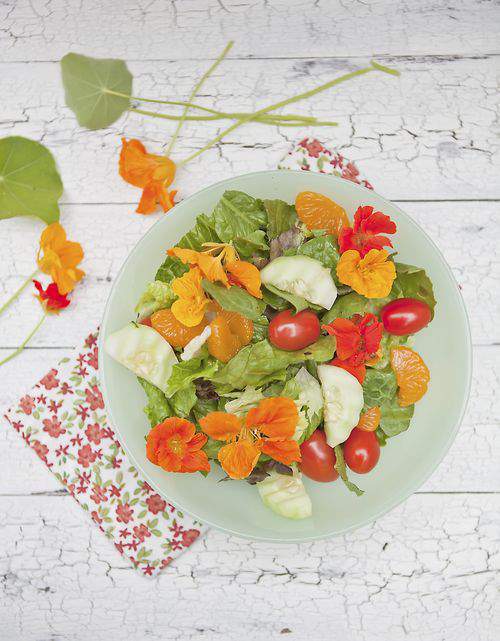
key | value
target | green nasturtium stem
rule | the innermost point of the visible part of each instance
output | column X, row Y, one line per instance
column 287, row 101
column 274, row 119
column 16, row 294
column 25, row 342
column 196, row 88
column 215, row 112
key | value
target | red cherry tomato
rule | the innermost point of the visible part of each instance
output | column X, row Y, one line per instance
column 146, row 321
column 361, row 451
column 405, row 316
column 294, row 331
column 318, row 458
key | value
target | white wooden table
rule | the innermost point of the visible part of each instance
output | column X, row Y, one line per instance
column 429, row 569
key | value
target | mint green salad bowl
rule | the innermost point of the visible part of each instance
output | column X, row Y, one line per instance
column 405, row 462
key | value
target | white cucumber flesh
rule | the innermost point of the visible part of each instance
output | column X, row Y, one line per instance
column 285, row 495
column 303, row 276
column 144, row 351
column 343, row 402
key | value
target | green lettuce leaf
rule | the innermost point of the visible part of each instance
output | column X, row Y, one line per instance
column 202, row 232
column 413, row 282
column 395, row 419
column 212, row 447
column 243, row 401
column 323, row 248
column 298, row 302
column 185, row 372
column 379, row 386
column 260, row 329
column 346, row 306
column 158, row 295
column 235, row 299
column 238, row 215
column 158, row 408
column 306, row 391
column 260, row 363
column 254, row 243
column 274, row 300
column 183, row 401
column 381, row 436
column 204, row 406
column 340, row 466
column 170, row 268
column 280, row 216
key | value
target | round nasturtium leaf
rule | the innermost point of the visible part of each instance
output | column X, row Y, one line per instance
column 30, row 184
column 87, row 82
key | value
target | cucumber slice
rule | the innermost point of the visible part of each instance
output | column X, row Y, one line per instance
column 303, row 276
column 343, row 402
column 285, row 495
column 144, row 351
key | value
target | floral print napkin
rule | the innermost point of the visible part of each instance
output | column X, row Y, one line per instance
column 311, row 155
column 63, row 420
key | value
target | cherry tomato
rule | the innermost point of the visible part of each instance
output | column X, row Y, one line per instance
column 361, row 451
column 405, row 316
column 292, row 332
column 318, row 458
column 146, row 321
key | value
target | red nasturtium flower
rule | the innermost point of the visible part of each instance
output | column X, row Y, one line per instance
column 175, row 446
column 358, row 371
column 267, row 429
column 365, row 234
column 51, row 298
column 152, row 173
column 358, row 341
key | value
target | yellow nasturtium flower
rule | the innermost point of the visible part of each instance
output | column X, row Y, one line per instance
column 371, row 276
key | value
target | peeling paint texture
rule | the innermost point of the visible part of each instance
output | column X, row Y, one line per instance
column 429, row 570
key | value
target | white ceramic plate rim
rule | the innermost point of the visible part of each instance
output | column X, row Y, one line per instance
column 406, row 490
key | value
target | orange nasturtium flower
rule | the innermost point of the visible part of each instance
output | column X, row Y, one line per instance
column 210, row 266
column 267, row 429
column 219, row 262
column 246, row 275
column 175, row 446
column 59, row 258
column 152, row 173
column 372, row 276
column 190, row 306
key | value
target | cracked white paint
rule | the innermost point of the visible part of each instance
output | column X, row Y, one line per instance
column 62, row 579
column 428, row 571
column 424, row 135
column 46, row 29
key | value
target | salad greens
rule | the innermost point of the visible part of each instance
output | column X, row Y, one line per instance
column 232, row 378
column 235, row 299
column 281, row 217
column 262, row 363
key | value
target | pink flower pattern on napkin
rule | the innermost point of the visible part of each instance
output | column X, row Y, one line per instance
column 311, row 155
column 63, row 420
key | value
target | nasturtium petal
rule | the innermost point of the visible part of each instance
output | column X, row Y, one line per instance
column 87, row 86
column 30, row 184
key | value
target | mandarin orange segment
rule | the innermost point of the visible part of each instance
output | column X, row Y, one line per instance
column 172, row 330
column 319, row 212
column 369, row 420
column 412, row 375
column 230, row 332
